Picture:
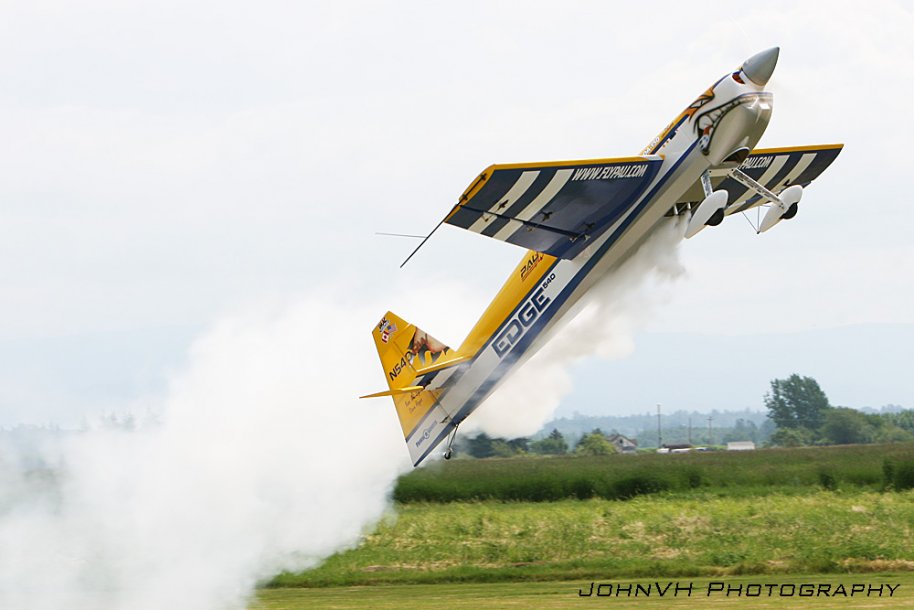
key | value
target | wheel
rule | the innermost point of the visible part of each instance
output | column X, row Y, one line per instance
column 791, row 212
column 716, row 218
column 447, row 454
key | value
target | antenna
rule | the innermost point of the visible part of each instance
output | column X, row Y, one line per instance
column 398, row 234
column 437, row 226
column 421, row 244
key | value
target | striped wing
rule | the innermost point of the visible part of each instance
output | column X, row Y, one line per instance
column 774, row 168
column 552, row 207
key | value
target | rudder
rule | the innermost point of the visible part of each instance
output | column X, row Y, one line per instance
column 407, row 352
column 405, row 348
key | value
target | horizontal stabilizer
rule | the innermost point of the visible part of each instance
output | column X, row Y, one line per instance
column 406, row 390
column 440, row 365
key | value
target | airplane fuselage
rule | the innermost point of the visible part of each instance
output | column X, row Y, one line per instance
column 717, row 130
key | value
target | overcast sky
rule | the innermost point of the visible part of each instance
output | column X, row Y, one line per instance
column 164, row 163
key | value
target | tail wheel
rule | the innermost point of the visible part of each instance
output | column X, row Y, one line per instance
column 447, row 454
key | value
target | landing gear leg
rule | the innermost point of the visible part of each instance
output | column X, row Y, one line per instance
column 710, row 212
column 450, row 441
column 783, row 206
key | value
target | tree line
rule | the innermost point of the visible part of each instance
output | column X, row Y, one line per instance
column 482, row 446
column 802, row 414
column 799, row 414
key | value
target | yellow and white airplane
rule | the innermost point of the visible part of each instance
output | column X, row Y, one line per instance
column 579, row 221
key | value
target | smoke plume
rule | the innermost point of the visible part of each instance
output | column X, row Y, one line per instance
column 263, row 460
column 603, row 324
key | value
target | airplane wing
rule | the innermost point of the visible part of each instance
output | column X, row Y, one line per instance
column 552, row 207
column 773, row 168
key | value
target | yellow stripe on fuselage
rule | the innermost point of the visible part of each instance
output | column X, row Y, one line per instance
column 525, row 276
column 654, row 144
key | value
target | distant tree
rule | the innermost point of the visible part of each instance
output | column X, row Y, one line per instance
column 481, row 446
column 594, row 443
column 844, row 426
column 796, row 402
column 501, row 448
column 742, row 431
column 902, row 419
column 767, row 428
column 506, row 448
column 520, row 444
column 554, row 444
column 885, row 429
column 790, row 437
column 484, row 446
column 892, row 434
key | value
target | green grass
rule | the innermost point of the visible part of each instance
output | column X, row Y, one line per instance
column 565, row 594
column 747, row 473
column 668, row 535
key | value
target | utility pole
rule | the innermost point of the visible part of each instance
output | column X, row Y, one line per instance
column 659, row 436
column 710, row 442
column 690, row 429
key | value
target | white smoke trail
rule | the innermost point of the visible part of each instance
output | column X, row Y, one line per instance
column 264, row 460
column 604, row 324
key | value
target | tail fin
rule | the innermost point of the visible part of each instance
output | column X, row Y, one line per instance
column 408, row 352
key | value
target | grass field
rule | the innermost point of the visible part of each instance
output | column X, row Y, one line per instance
column 747, row 473
column 565, row 594
column 669, row 536
column 530, row 533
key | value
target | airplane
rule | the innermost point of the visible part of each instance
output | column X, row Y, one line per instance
column 580, row 220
